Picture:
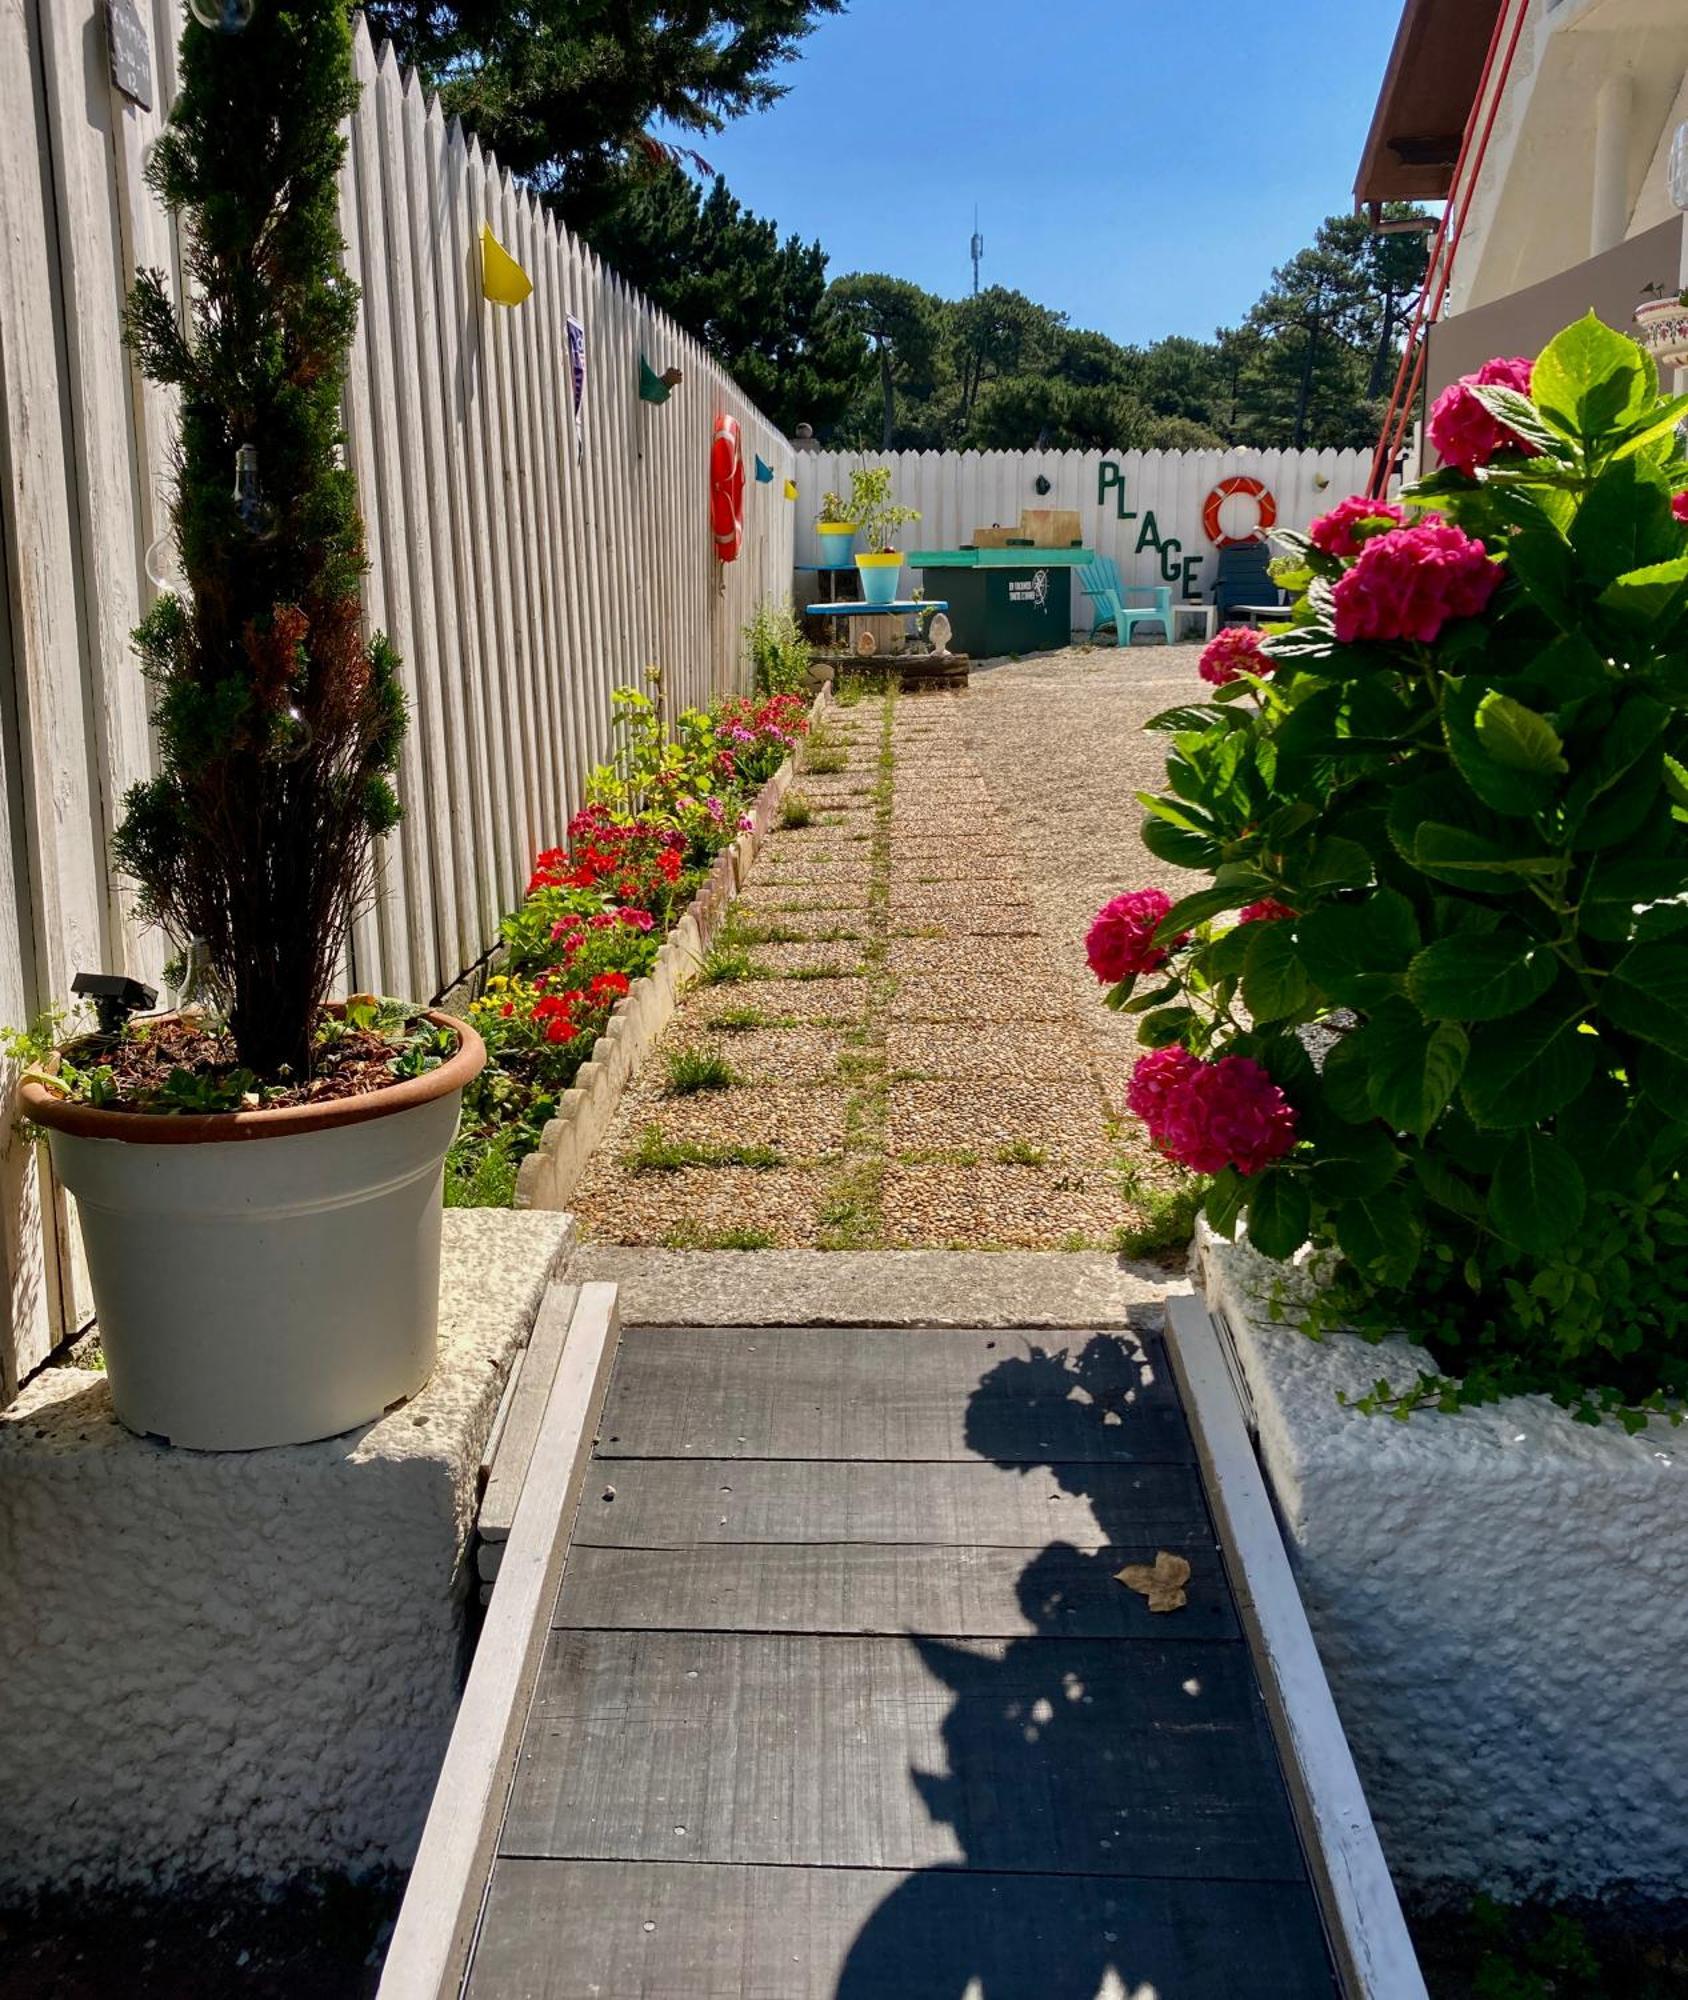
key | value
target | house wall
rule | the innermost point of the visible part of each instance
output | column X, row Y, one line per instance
column 1524, row 322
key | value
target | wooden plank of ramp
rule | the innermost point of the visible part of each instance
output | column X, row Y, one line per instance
column 891, row 1393
column 947, row 1593
column 1080, row 1756
column 593, row 1930
column 690, row 1503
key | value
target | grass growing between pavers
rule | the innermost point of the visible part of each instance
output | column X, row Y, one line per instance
column 853, row 1214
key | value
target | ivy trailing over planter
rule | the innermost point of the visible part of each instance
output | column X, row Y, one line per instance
column 1450, row 1044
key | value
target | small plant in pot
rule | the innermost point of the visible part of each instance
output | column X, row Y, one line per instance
column 878, row 518
column 259, row 1182
column 836, row 527
column 1661, row 321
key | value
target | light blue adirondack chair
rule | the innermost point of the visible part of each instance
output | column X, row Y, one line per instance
column 1100, row 582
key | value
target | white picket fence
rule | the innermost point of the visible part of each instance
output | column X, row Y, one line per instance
column 1144, row 499
column 521, row 581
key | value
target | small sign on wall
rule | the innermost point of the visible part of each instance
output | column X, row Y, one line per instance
column 131, row 56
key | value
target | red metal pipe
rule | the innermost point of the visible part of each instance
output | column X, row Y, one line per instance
column 1473, row 151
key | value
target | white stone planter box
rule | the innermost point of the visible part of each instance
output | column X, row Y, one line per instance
column 1500, row 1599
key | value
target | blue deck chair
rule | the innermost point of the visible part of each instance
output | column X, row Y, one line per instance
column 1100, row 582
column 1244, row 588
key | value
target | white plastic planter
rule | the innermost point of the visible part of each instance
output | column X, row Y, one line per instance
column 264, row 1277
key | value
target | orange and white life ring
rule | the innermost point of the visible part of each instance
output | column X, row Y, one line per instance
column 726, row 489
column 1255, row 489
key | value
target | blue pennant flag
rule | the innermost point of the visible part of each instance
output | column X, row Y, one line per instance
column 764, row 472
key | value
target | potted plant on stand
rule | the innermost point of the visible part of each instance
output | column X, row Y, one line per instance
column 878, row 518
column 258, row 1183
column 836, row 528
column 1661, row 321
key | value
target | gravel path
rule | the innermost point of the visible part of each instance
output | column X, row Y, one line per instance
column 918, row 1057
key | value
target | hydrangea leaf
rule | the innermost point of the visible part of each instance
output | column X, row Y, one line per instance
column 1538, row 1196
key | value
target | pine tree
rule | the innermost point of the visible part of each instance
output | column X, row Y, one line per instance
column 278, row 724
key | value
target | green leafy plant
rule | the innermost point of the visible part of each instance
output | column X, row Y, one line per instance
column 779, row 653
column 1449, row 1046
column 876, row 515
column 834, row 513
column 278, row 723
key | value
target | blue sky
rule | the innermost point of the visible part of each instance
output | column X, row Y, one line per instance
column 1138, row 164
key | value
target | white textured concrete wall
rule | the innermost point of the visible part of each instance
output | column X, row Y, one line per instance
column 244, row 1665
column 1501, row 1602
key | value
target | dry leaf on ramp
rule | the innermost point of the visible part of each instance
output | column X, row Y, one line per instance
column 1162, row 1582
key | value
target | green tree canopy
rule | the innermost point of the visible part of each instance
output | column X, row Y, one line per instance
column 758, row 304
column 562, row 90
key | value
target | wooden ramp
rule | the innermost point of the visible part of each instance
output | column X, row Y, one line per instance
column 842, row 1697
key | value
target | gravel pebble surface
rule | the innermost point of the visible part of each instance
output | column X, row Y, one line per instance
column 1002, row 1053
column 822, row 1001
column 805, row 1123
column 1015, row 1208
column 966, row 997
column 959, row 958
column 762, row 1055
column 698, row 1206
column 1064, row 1121
column 839, row 959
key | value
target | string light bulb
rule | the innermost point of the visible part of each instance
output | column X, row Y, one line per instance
column 223, row 17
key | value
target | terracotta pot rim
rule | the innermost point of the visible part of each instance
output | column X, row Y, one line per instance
column 285, row 1121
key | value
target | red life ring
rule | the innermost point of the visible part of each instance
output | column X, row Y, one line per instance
column 1256, row 491
column 726, row 489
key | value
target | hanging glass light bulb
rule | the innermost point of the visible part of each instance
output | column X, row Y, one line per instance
column 249, row 503
column 163, row 565
column 223, row 17
column 292, row 737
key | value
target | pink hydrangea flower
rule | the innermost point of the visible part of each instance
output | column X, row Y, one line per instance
column 1268, row 910
column 1409, row 584
column 1463, row 432
column 1155, row 1078
column 1227, row 1113
column 1679, row 507
column 1120, row 943
column 1342, row 532
column 1235, row 651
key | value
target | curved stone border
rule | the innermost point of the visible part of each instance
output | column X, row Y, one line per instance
column 549, row 1175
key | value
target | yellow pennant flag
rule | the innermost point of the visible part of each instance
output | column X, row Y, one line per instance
column 791, row 489
column 502, row 279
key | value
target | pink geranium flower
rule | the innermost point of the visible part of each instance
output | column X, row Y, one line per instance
column 1463, row 432
column 1120, row 943
column 1236, row 651
column 1351, row 523
column 1679, row 507
column 1410, row 583
column 1227, row 1113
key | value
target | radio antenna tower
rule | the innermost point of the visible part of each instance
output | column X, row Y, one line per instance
column 976, row 249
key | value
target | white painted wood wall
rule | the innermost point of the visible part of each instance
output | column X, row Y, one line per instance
column 519, row 585
column 958, row 491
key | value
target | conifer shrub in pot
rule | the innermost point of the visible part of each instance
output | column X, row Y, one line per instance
column 1430, row 1013
column 259, row 1183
